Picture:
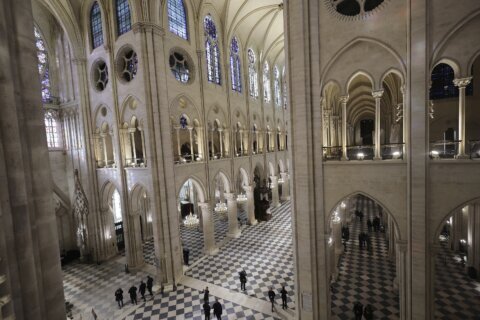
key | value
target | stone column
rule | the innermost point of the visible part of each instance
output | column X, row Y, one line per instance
column 461, row 84
column 274, row 186
column 134, row 237
column 179, row 152
column 143, row 145
column 134, row 149
column 343, row 101
column 241, row 142
column 105, row 153
column 233, row 231
column 208, row 228
column 377, row 95
column 258, row 142
column 221, row 142
column 250, row 205
column 473, row 236
column 192, row 152
column 286, row 186
column 401, row 246
column 337, row 237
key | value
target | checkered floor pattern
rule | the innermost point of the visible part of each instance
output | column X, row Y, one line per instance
column 186, row 303
column 149, row 252
column 365, row 276
column 456, row 295
column 192, row 239
column 263, row 250
column 90, row 286
column 221, row 226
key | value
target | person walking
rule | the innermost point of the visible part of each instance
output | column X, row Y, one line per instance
column 186, row 255
column 94, row 315
column 283, row 292
column 358, row 310
column 133, row 294
column 217, row 309
column 368, row 312
column 119, row 297
column 206, row 310
column 143, row 288
column 206, row 294
column 271, row 296
column 150, row 285
column 243, row 279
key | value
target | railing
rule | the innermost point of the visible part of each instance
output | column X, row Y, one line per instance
column 134, row 162
column 241, row 153
column 332, row 153
column 187, row 158
column 217, row 156
column 392, row 151
column 101, row 164
column 474, row 149
column 444, row 149
column 360, row 152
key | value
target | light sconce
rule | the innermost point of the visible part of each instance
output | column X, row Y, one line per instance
column 396, row 154
column 360, row 156
column 435, row 154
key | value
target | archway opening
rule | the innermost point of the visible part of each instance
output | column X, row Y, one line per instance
column 116, row 210
column 391, row 117
column 362, row 259
column 457, row 264
column 191, row 222
column 220, row 210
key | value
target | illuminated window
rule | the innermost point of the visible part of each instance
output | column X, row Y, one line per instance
column 124, row 22
column 235, row 67
column 116, row 207
column 212, row 50
column 252, row 74
column 177, row 18
column 52, row 129
column 266, row 83
column 43, row 66
column 96, row 25
column 276, row 87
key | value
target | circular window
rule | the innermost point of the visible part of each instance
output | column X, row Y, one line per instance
column 100, row 75
column 354, row 8
column 180, row 67
column 127, row 64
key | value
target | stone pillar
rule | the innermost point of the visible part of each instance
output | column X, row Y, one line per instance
column 456, row 230
column 221, row 142
column 343, row 101
column 134, row 237
column 461, row 84
column 250, row 205
column 105, row 153
column 144, row 154
column 286, row 186
column 192, row 152
column 377, row 95
column 274, row 186
column 473, row 236
column 337, row 237
column 208, row 228
column 134, row 149
column 233, row 231
column 179, row 152
column 401, row 246
column 241, row 142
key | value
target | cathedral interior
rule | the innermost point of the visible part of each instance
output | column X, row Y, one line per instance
column 328, row 149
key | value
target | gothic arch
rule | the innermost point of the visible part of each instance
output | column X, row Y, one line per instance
column 198, row 186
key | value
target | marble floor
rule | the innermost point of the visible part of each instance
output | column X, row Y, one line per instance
column 456, row 295
column 268, row 262
column 365, row 276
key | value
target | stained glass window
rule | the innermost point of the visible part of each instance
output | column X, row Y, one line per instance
column 284, row 79
column 43, row 66
column 266, row 83
column 96, row 25
column 52, row 129
column 177, row 18
column 124, row 21
column 252, row 74
column 179, row 66
column 116, row 207
column 235, row 67
column 276, row 87
column 212, row 50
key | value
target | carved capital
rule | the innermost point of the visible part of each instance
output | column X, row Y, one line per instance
column 462, row 82
column 144, row 27
column 377, row 94
column 343, row 99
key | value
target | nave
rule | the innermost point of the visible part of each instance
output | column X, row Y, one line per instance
column 268, row 262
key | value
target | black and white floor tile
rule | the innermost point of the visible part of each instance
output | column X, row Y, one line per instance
column 263, row 250
column 365, row 276
column 186, row 303
column 221, row 226
column 456, row 295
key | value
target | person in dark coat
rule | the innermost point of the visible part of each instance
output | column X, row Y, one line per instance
column 206, row 294
column 217, row 309
column 186, row 254
column 369, row 225
column 358, row 310
column 360, row 240
column 206, row 310
column 133, row 294
column 283, row 292
column 119, row 297
column 243, row 279
column 271, row 296
column 143, row 288
column 369, row 242
column 368, row 312
column 150, row 285
column 376, row 224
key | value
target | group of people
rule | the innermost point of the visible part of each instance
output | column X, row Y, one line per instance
column 359, row 311
column 217, row 306
column 364, row 241
column 143, row 287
